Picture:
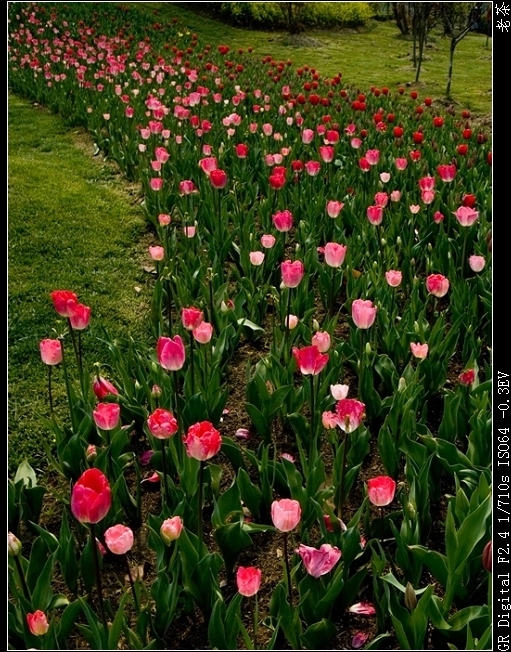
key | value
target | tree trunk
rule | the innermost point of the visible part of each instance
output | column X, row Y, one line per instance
column 451, row 62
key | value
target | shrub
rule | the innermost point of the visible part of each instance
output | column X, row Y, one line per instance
column 321, row 15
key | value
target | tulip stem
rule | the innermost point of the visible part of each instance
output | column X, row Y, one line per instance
column 191, row 364
column 463, row 254
column 23, row 581
column 176, row 395
column 313, row 446
column 343, row 470
column 287, row 323
column 361, row 364
column 165, row 497
column 255, row 619
column 132, row 584
column 98, row 575
column 50, row 397
column 169, row 306
column 199, row 511
column 288, row 572
column 381, row 526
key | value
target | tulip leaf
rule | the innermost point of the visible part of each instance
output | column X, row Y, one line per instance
column 231, row 539
column 319, row 635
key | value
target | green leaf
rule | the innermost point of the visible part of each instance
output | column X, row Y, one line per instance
column 319, row 635
column 42, row 595
column 116, row 627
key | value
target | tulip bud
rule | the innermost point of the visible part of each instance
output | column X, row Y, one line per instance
column 416, row 326
column 368, row 349
column 399, row 242
column 401, row 386
column 156, row 391
column 91, row 453
column 487, row 557
column 410, row 597
column 412, row 512
column 13, row 545
column 383, row 242
column 315, row 325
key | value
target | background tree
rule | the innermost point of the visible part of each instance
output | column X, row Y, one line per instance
column 423, row 19
column 458, row 24
column 293, row 12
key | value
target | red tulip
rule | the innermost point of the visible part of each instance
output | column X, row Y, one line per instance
column 202, row 441
column 218, row 179
column 382, row 198
column 375, row 214
column 310, row 360
column 350, row 413
column 437, row 285
column 79, row 316
column 106, row 415
column 467, row 377
column 292, row 273
column 418, row 137
column 363, row 313
column 276, row 181
column 248, row 580
column 171, row 353
column 63, row 301
column 381, row 490
column 171, row 529
column 162, row 424
column 319, row 562
column 285, row 514
column 38, row 623
column 103, row 387
column 119, row 539
column 427, row 183
column 487, row 557
column 91, row 497
column 191, row 318
column 51, row 351
column 446, row 172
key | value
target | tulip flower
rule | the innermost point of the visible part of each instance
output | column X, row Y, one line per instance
column 312, row 168
column 171, row 353
column 363, row 313
column 394, row 278
column 487, row 557
column 51, row 351
column 310, row 360
column 466, row 216
column 333, row 208
column 437, row 285
column 359, row 639
column 401, row 163
column 375, row 215
column 106, row 415
column 381, row 490
column 339, row 392
column 157, row 253
column 350, row 413
column 191, row 318
column 362, row 609
column 467, row 377
column 322, row 340
column 285, row 514
column 218, row 179
column 63, row 301
column 256, row 258
column 477, row 263
column 13, row 545
column 162, row 424
column 292, row 273
column 319, row 562
column 203, row 333
column 38, row 623
column 334, row 254
column 103, row 387
column 187, row 187
column 283, row 221
column 420, row 351
column 171, row 529
column 268, row 241
column 202, row 441
column 381, row 199
column 79, row 316
column 91, row 497
column 248, row 580
column 446, row 172
column 119, row 539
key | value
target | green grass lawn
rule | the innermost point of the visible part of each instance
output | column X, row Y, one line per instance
column 376, row 56
column 72, row 225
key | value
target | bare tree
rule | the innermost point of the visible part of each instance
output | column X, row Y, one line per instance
column 401, row 11
column 293, row 12
column 423, row 13
column 457, row 33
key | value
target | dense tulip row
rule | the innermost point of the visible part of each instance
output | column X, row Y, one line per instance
column 345, row 237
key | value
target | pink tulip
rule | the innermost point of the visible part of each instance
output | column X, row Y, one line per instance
column 285, row 514
column 381, row 199
column 381, row 490
column 207, row 165
column 326, row 153
column 291, row 321
column 248, row 580
column 156, row 184
column 171, row 353
column 164, row 219
column 162, row 424
column 119, row 539
column 427, row 183
column 91, row 497
column 51, row 351
column 372, row 156
column 414, row 209
column 394, row 278
column 350, row 414
column 307, row 136
column 187, row 187
column 339, row 392
column 363, row 313
column 106, row 415
column 13, row 545
column 362, row 609
column 38, row 623
column 283, row 221
column 437, row 285
column 268, row 241
column 359, row 639
column 161, row 154
column 157, row 253
column 334, row 254
column 202, row 441
column 477, row 263
column 267, row 129
column 333, row 208
column 203, row 333
column 191, row 318
column 292, row 273
column 384, row 177
column 375, row 214
column 310, row 360
column 171, row 529
column 329, row 420
column 321, row 339
column 103, row 387
column 466, row 216
column 401, row 163
column 63, row 301
column 312, row 168
column 189, row 231
column 395, row 195
column 438, row 217
column 420, row 351
column 319, row 562
column 428, row 196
